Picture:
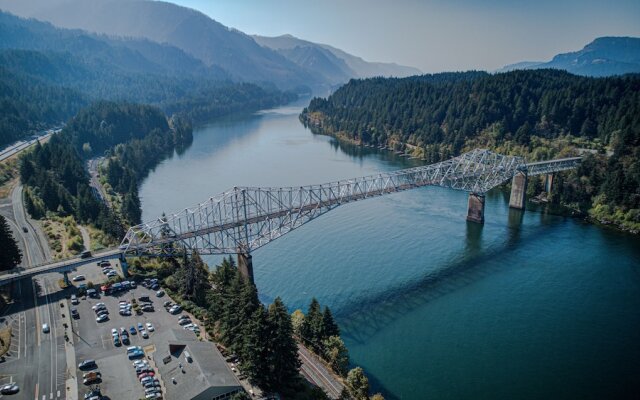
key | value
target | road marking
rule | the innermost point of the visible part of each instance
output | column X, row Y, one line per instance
column 36, row 391
column 35, row 299
column 58, row 394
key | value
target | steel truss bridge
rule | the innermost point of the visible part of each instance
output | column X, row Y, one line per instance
column 244, row 219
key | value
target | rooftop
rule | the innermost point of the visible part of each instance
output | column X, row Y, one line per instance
column 204, row 378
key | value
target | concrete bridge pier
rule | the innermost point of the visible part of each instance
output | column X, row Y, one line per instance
column 65, row 277
column 548, row 182
column 245, row 265
column 124, row 266
column 475, row 208
column 518, row 191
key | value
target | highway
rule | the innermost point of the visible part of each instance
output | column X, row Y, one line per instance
column 17, row 147
column 36, row 360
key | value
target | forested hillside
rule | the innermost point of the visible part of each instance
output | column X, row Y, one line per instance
column 48, row 74
column 135, row 138
column 539, row 114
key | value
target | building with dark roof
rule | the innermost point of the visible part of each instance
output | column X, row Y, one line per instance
column 192, row 369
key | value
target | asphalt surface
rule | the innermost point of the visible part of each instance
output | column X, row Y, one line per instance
column 17, row 147
column 36, row 360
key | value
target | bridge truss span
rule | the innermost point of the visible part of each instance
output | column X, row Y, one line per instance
column 246, row 218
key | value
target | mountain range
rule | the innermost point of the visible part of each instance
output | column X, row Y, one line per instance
column 605, row 56
column 335, row 65
column 240, row 56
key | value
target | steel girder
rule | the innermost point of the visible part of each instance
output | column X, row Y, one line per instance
column 246, row 218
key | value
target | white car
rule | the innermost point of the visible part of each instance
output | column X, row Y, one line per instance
column 78, row 278
column 114, row 331
column 45, row 328
column 98, row 305
column 150, row 327
column 144, row 334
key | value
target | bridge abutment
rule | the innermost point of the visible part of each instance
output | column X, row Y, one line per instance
column 245, row 266
column 475, row 209
column 518, row 191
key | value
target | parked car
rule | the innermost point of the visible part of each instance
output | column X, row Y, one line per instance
column 45, row 328
column 160, row 293
column 135, row 354
column 87, row 364
column 147, row 308
column 74, row 299
column 132, row 330
column 99, row 306
column 184, row 322
column 167, row 303
column 144, row 334
column 125, row 312
column 85, row 254
column 102, row 318
column 150, row 327
column 78, row 278
column 92, row 293
column 74, row 313
column 9, row 388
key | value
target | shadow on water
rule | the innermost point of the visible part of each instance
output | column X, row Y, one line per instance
column 367, row 315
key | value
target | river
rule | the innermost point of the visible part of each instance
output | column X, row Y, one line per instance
column 527, row 306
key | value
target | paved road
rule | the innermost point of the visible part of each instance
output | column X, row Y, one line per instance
column 316, row 373
column 17, row 147
column 37, row 251
column 37, row 360
column 94, row 182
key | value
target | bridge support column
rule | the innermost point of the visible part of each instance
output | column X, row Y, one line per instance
column 245, row 266
column 548, row 183
column 475, row 209
column 518, row 191
column 65, row 277
column 124, row 266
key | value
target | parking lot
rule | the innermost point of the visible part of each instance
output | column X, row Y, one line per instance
column 94, row 340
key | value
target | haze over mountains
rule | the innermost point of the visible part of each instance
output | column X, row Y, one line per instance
column 605, row 56
column 216, row 46
column 334, row 64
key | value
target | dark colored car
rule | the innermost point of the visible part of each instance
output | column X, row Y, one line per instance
column 85, row 254
column 74, row 313
column 87, row 364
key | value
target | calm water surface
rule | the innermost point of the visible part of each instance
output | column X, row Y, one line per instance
column 528, row 306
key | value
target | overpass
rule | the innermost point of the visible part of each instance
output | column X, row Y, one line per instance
column 244, row 219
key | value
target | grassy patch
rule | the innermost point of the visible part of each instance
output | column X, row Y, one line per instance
column 8, row 177
column 63, row 235
column 5, row 340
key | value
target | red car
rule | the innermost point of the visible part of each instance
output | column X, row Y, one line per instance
column 146, row 374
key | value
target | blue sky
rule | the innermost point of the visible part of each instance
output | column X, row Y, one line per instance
column 434, row 35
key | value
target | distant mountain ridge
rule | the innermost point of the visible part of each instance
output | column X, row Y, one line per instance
column 330, row 61
column 215, row 45
column 605, row 56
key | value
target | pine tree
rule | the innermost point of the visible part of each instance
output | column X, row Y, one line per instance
column 10, row 256
column 329, row 326
column 311, row 330
column 284, row 350
column 256, row 359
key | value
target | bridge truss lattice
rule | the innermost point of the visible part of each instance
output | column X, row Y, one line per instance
column 244, row 219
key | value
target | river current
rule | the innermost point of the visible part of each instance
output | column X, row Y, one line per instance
column 528, row 306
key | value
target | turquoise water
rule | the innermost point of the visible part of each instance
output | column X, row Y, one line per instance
column 527, row 306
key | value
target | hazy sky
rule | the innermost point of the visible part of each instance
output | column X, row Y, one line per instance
column 434, row 35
